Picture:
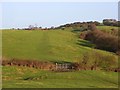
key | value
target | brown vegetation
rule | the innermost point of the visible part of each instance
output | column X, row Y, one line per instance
column 29, row 63
column 97, row 61
column 100, row 63
column 102, row 40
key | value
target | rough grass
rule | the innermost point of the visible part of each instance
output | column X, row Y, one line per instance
column 21, row 77
column 106, row 28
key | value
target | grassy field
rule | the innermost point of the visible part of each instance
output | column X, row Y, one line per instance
column 21, row 77
column 107, row 28
column 56, row 46
column 53, row 45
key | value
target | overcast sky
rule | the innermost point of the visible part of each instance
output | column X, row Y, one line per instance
column 47, row 14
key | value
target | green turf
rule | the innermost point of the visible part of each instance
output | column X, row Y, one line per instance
column 106, row 28
column 53, row 45
column 21, row 77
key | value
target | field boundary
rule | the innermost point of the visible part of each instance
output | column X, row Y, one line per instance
column 51, row 66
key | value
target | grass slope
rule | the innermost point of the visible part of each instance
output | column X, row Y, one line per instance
column 53, row 45
column 107, row 28
column 21, row 77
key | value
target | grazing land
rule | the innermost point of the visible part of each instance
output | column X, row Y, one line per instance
column 50, row 45
column 21, row 77
column 108, row 28
column 54, row 46
column 60, row 45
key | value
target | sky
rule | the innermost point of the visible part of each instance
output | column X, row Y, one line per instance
column 47, row 14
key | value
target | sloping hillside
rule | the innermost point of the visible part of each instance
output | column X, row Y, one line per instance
column 56, row 46
column 50, row 45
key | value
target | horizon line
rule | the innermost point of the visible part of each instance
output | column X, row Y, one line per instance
column 53, row 25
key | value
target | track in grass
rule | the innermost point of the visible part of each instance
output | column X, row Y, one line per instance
column 49, row 45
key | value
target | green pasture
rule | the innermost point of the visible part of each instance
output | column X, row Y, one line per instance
column 23, row 77
column 47, row 45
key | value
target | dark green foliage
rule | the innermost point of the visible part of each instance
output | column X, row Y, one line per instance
column 82, row 26
column 97, row 23
column 111, row 22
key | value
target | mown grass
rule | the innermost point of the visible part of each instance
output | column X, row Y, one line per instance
column 53, row 45
column 23, row 77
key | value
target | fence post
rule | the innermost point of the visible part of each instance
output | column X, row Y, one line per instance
column 56, row 66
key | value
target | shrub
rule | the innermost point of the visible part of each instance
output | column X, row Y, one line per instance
column 95, row 61
column 29, row 63
column 92, row 27
column 83, row 34
column 103, row 40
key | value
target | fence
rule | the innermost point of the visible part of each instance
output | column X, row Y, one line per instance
column 65, row 66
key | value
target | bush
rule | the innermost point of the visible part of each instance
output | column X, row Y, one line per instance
column 29, row 63
column 92, row 27
column 103, row 40
column 96, row 61
column 83, row 34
